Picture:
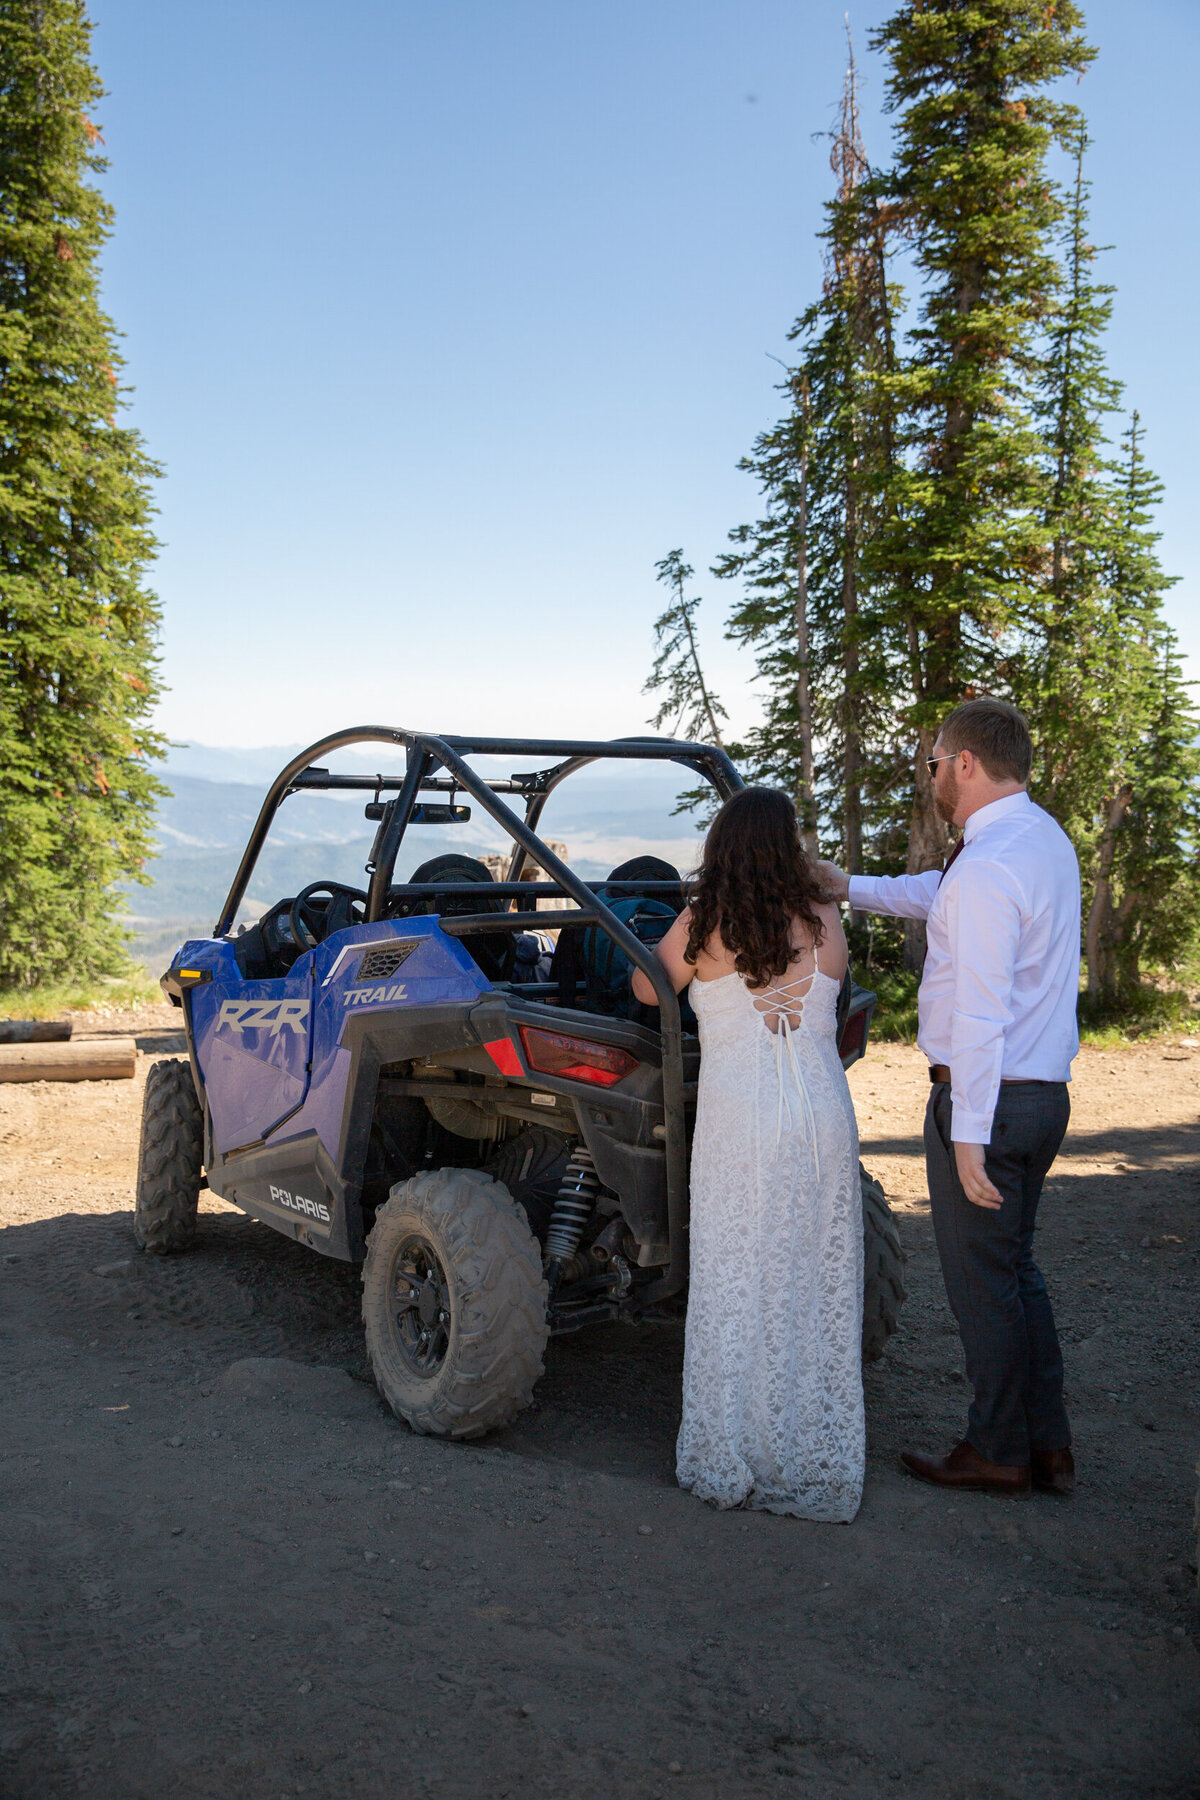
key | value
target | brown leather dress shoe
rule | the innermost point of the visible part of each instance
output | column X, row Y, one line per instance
column 1053, row 1471
column 964, row 1468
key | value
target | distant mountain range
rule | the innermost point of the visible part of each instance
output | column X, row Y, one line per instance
column 603, row 815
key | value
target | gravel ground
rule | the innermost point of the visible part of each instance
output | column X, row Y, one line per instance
column 228, row 1571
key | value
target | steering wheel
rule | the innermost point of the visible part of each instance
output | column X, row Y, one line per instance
column 305, row 935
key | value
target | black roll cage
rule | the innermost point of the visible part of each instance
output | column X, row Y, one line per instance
column 427, row 754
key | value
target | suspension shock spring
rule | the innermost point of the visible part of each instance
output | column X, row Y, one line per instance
column 572, row 1210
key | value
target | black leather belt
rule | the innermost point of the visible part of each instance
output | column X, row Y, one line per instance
column 939, row 1072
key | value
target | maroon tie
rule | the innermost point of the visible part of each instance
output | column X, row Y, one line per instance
column 957, row 851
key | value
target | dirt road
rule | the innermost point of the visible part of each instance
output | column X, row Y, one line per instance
column 228, row 1571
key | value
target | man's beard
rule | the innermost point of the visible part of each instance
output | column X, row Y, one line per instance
column 947, row 800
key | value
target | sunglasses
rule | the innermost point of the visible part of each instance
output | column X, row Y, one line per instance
column 931, row 762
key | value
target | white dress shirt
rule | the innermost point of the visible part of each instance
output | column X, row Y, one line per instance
column 1001, row 979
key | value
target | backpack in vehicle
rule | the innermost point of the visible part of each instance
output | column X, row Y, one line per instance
column 590, row 956
column 607, row 970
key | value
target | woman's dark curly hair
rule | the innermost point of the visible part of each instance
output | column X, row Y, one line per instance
column 755, row 879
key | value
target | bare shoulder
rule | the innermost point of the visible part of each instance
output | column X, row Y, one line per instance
column 834, row 953
column 710, row 957
column 830, row 915
column 714, row 958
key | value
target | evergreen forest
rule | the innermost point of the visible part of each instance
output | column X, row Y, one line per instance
column 957, row 500
column 77, row 622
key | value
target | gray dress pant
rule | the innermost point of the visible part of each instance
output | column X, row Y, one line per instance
column 995, row 1289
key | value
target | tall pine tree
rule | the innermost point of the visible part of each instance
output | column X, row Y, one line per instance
column 77, row 624
column 970, row 191
column 1116, row 730
column 1146, row 917
column 687, row 705
column 1144, row 905
column 1066, row 679
column 823, row 657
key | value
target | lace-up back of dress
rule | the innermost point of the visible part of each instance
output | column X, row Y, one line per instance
column 782, row 1008
column 782, row 1004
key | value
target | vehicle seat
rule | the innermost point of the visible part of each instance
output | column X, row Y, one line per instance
column 651, row 868
column 494, row 954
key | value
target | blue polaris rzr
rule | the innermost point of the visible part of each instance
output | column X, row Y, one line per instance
column 407, row 1077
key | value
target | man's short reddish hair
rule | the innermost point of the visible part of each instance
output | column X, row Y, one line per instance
column 994, row 731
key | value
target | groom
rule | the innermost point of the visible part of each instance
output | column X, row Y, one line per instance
column 997, row 1022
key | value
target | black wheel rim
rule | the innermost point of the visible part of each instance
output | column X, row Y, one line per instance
column 419, row 1309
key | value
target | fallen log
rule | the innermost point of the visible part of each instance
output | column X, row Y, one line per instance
column 100, row 1059
column 34, row 1031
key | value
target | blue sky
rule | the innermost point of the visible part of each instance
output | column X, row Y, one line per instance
column 448, row 320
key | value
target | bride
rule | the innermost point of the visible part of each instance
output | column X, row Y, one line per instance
column 772, row 1373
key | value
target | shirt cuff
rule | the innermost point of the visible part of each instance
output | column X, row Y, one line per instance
column 866, row 892
column 968, row 1127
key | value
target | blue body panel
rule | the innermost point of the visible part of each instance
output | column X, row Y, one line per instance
column 438, row 971
column 270, row 1053
column 252, row 1042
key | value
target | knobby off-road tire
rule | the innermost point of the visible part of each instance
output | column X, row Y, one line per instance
column 883, row 1269
column 170, row 1157
column 461, row 1359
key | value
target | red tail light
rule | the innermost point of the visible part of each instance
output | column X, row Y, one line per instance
column 575, row 1059
column 852, row 1041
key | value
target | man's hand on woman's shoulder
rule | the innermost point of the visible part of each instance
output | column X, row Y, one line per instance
column 835, row 881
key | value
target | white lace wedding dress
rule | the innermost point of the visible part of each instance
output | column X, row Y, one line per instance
column 772, row 1374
